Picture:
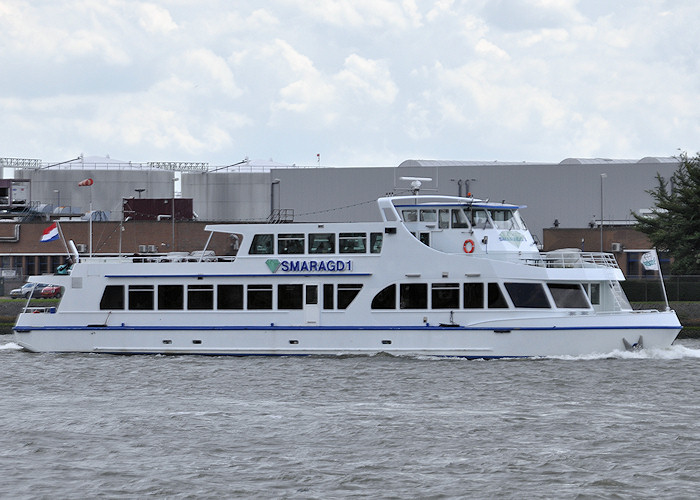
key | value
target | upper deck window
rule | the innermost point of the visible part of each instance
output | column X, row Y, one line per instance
column 322, row 243
column 505, row 219
column 480, row 219
column 428, row 215
column 375, row 242
column 459, row 219
column 290, row 243
column 352, row 242
column 443, row 218
column 410, row 215
column 262, row 244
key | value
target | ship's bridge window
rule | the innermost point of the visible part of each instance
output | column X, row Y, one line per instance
column 528, row 295
column 443, row 218
column 570, row 296
column 321, row 243
column 290, row 243
column 262, row 244
column 375, row 242
column 480, row 219
column 352, row 242
column 112, row 297
column 459, row 219
column 410, row 215
column 141, row 297
column 428, row 215
column 504, row 219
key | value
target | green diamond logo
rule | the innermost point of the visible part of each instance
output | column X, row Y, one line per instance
column 273, row 264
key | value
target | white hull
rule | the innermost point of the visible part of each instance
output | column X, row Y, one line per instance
column 573, row 338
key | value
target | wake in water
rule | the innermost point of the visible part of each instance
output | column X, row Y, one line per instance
column 676, row 351
column 10, row 346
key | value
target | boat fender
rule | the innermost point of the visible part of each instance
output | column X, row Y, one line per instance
column 468, row 246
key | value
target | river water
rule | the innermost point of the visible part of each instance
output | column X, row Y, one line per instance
column 623, row 425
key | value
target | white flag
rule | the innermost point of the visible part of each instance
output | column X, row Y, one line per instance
column 650, row 262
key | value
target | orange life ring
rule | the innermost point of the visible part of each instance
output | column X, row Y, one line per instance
column 468, row 246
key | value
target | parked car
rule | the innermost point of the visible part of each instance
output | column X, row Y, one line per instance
column 51, row 292
column 24, row 291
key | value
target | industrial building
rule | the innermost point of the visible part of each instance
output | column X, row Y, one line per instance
column 574, row 197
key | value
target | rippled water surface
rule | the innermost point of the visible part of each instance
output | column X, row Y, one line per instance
column 616, row 426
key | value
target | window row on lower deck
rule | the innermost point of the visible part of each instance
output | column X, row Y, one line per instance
column 478, row 295
column 226, row 297
column 470, row 295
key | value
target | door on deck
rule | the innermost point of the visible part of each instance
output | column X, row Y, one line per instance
column 312, row 310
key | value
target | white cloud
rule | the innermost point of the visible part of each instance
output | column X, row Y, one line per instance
column 155, row 19
column 380, row 80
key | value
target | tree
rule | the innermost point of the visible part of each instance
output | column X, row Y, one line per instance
column 674, row 222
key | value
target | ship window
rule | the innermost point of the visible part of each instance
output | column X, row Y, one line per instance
column 443, row 218
column 568, row 295
column 262, row 244
column 386, row 299
column 595, row 293
column 410, row 215
column 474, row 296
column 200, row 297
column 504, row 219
column 290, row 296
column 428, row 215
column 445, row 295
column 259, row 296
column 141, row 297
column 480, row 219
column 459, row 220
column 170, row 297
column 347, row 293
column 496, row 300
column 321, row 243
column 529, row 295
column 311, row 295
column 413, row 296
column 328, row 296
column 290, row 243
column 229, row 297
column 375, row 242
column 112, row 297
column 353, row 242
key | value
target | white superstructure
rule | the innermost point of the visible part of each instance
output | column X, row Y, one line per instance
column 439, row 275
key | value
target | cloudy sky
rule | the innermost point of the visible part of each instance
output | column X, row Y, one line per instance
column 360, row 82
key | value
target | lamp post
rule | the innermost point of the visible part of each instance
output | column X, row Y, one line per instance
column 602, row 176
column 139, row 191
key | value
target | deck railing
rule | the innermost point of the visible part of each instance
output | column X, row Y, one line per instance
column 564, row 259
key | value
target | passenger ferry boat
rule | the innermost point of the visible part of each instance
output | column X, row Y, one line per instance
column 438, row 276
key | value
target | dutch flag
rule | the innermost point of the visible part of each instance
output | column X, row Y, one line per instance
column 50, row 233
